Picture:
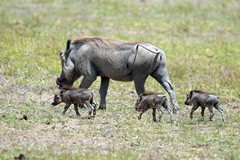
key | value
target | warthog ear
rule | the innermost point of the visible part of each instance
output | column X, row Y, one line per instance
column 61, row 94
column 62, row 90
column 67, row 51
column 68, row 44
column 140, row 96
column 190, row 94
column 60, row 53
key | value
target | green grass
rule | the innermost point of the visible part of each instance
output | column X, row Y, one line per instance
column 202, row 43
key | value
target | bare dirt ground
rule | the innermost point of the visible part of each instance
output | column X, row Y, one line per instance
column 61, row 134
column 47, row 130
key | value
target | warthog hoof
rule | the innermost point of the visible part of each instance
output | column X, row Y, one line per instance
column 102, row 107
column 175, row 108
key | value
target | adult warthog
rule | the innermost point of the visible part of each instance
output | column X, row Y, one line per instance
column 113, row 59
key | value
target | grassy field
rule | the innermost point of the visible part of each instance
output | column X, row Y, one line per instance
column 202, row 43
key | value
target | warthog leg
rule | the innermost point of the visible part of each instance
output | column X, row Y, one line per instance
column 76, row 109
column 94, row 108
column 103, row 92
column 160, row 112
column 154, row 114
column 90, row 108
column 202, row 113
column 194, row 108
column 169, row 88
column 140, row 116
column 139, row 81
column 217, row 106
column 210, row 108
column 66, row 108
column 86, row 82
column 170, row 114
column 161, row 75
column 165, row 105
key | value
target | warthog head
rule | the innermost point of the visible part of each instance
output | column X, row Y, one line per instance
column 189, row 98
column 139, row 106
column 68, row 75
column 136, row 104
column 57, row 99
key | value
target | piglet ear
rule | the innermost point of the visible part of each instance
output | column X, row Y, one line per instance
column 62, row 90
column 67, row 51
column 190, row 94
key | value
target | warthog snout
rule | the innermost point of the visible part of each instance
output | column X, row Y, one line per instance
column 136, row 105
column 54, row 104
column 56, row 100
column 187, row 103
column 188, row 100
column 137, row 108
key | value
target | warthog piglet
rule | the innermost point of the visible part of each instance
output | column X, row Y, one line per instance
column 76, row 96
column 198, row 98
column 151, row 100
